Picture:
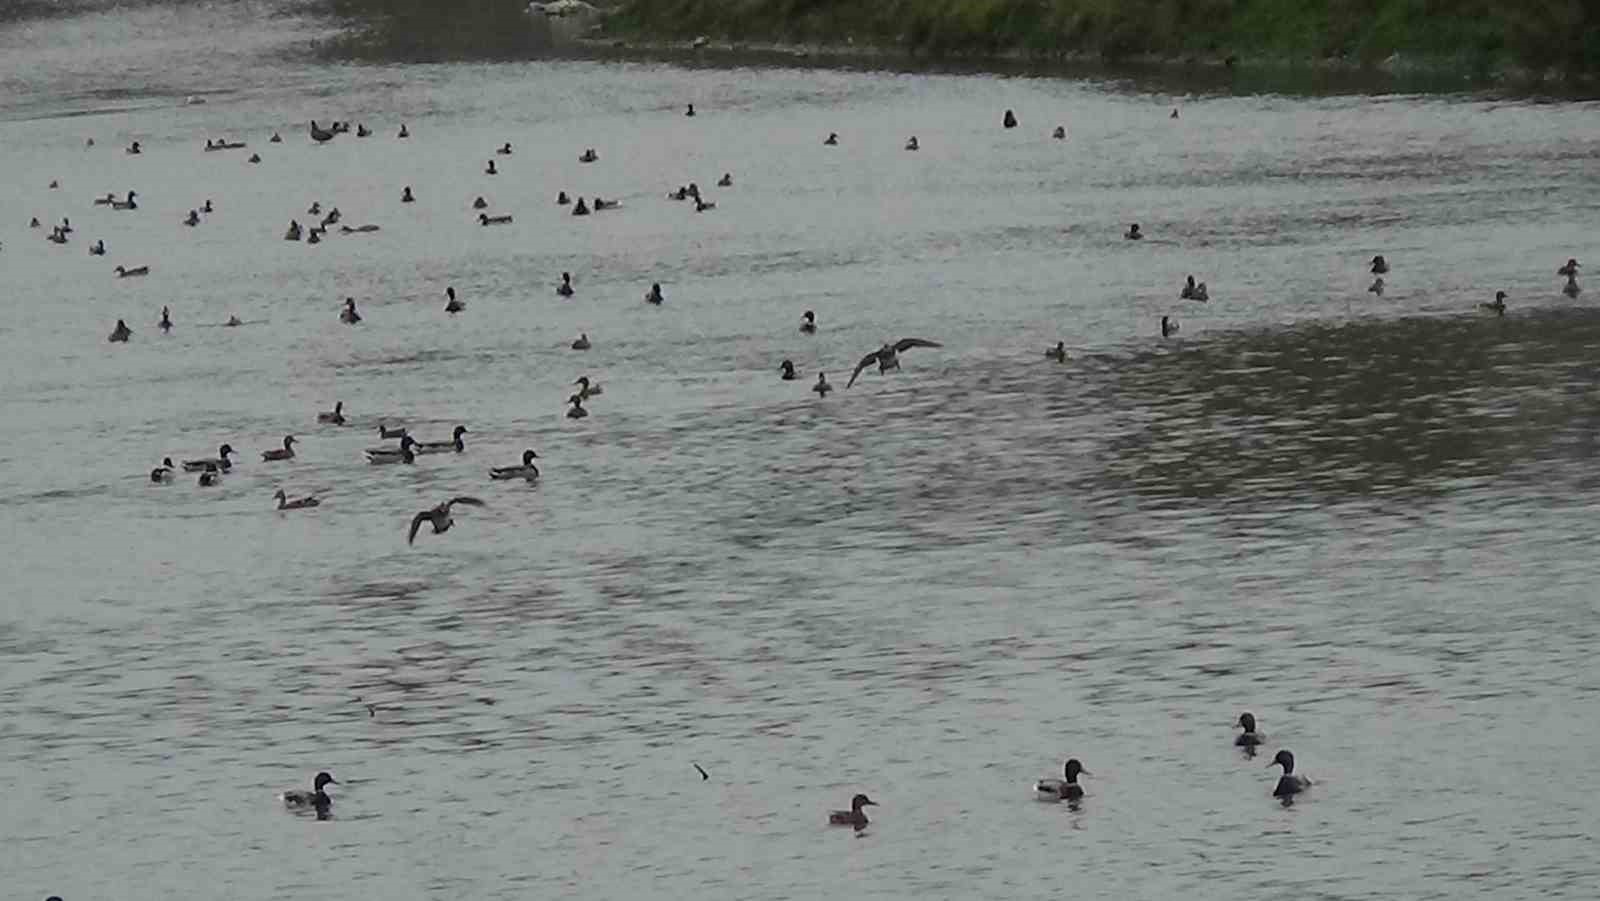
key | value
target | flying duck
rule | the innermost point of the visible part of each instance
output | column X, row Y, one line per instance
column 565, row 288
column 348, row 315
column 121, row 333
column 526, row 471
column 1249, row 738
column 452, row 305
column 316, row 799
column 577, row 411
column 406, row 196
column 1380, row 266
column 162, row 473
column 1168, row 327
column 336, row 417
column 1133, row 233
column 1499, row 306
column 654, row 294
column 1058, row 353
column 135, row 272
column 1066, row 789
column 299, row 503
column 912, row 144
column 1570, row 269
column 587, row 389
column 582, row 343
column 888, row 356
column 402, row 454
column 789, row 374
column 808, row 323
column 443, row 447
column 1289, row 784
column 220, row 461
column 439, row 516
column 855, row 816
column 284, row 453
column 822, row 387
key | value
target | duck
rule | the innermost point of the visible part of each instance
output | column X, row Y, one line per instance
column 822, row 387
column 1498, row 307
column 480, row 203
column 164, row 472
column 134, row 149
column 207, row 208
column 577, row 411
column 97, row 249
column 34, row 222
column 166, row 321
column 209, row 476
column 386, row 432
column 254, row 158
column 601, row 203
column 1066, row 789
column 1009, row 120
column 275, row 139
column 486, row 220
column 362, row 131
column 505, row 149
column 654, row 294
column 111, row 198
column 1571, row 288
column 562, row 199
column 1060, row 134
column 1376, row 287
column 57, row 236
column 726, row 181
column 789, row 374
column 526, row 471
column 348, row 315
column 1189, row 289
column 587, row 389
column 293, row 234
column 66, row 226
column 808, row 323
column 453, row 306
column 855, row 816
column 442, row 447
column 404, row 132
column 315, row 209
column 1380, row 266
column 233, row 322
column 193, row 218
column 336, row 416
column 440, row 516
column 832, row 140
column 406, row 196
column 1249, row 738
column 130, row 204
column 284, row 453
column 1174, row 113
column 220, row 461
column 1569, row 270
column 1133, row 233
column 321, row 136
column 700, row 206
column 888, row 356
column 1169, row 327
column 588, row 156
column 332, row 218
column 582, row 343
column 315, row 237
column 579, row 209
column 121, row 333
column 316, row 799
column 358, row 229
column 299, row 503
column 1058, row 353
column 491, row 170
column 1289, row 784
column 912, row 144
column 1201, row 294
column 689, row 111
column 401, row 454
column 565, row 288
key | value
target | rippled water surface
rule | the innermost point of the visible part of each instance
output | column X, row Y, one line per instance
column 1368, row 520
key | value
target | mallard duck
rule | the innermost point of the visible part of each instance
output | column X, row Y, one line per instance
column 121, row 333
column 832, row 140
column 1498, row 307
column 284, row 453
column 453, row 306
column 565, row 288
column 406, row 196
column 491, row 170
column 440, row 516
column 348, row 315
column 808, row 323
column 385, row 455
column 486, row 219
column 1009, row 120
column 443, row 447
column 787, row 368
column 135, row 272
column 577, row 411
column 1058, row 353
column 822, row 387
column 209, row 476
column 654, row 295
column 299, row 503
column 164, row 472
column 316, row 799
column 336, row 417
column 220, row 461
column 526, row 471
column 1249, row 738
column 582, row 343
column 588, row 389
column 855, row 816
column 1066, row 789
column 1380, row 266
column 913, row 144
column 1289, row 784
column 386, row 432
column 1133, row 233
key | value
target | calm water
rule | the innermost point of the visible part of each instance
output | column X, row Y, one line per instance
column 1369, row 521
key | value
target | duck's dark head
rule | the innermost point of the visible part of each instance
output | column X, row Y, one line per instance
column 1073, row 769
column 166, row 462
column 1500, row 297
column 528, row 457
column 1284, row 759
column 338, row 407
column 1247, row 722
column 787, row 366
column 860, row 801
column 225, row 450
column 566, row 277
column 288, row 440
column 809, row 316
column 406, row 442
column 323, row 779
column 450, row 292
column 575, row 400
column 460, row 430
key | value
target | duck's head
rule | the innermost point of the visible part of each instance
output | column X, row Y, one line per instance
column 809, row 316
column 787, row 366
column 528, row 456
column 860, row 801
column 582, row 380
column 279, row 495
column 350, row 302
column 483, row 218
column 1073, row 769
column 1284, row 759
column 225, row 450
column 323, row 778
column 406, row 442
column 1247, row 722
column 288, row 440
column 566, row 277
column 450, row 292
column 1500, row 297
column 459, row 431
column 338, row 407
column 576, row 400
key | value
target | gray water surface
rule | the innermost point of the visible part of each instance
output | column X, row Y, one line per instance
column 1369, row 521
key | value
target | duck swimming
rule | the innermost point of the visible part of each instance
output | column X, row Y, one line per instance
column 166, row 321
column 832, row 140
column 1066, row 789
column 808, row 323
column 580, row 209
column 565, row 288
column 316, row 238
column 1058, row 353
column 562, row 199
column 209, row 476
column 453, row 306
column 134, row 149
column 336, row 417
column 582, row 343
column 164, row 472
column 386, row 432
column 1169, row 327
column 700, row 206
column 275, row 139
column 1009, row 120
column 1133, row 233
column 587, row 389
column 888, row 356
column 912, row 144
column 299, row 503
column 401, row 454
column 588, row 156
column 348, row 315
column 855, row 816
column 404, row 132
column 319, row 135
column 284, row 453
column 129, row 204
column 1499, row 306
column 121, row 333
column 789, row 374
column 316, row 799
column 1569, row 270
column 526, row 471
column 822, row 387
column 362, row 131
column 1249, row 738
column 1376, row 287
column 491, row 170
column 1060, row 134
column 406, row 196
column 505, row 149
column 480, row 204
column 654, row 294
column 601, row 203
column 442, row 447
column 1380, row 266
column 254, row 158
column 689, row 111
column 577, row 411
column 440, row 516
column 293, row 234
column 1571, row 288
column 220, row 461
column 1188, row 290
column 1289, row 784
column 193, row 218
column 97, row 249
column 726, row 181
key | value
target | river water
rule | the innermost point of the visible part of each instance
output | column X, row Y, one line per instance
column 1368, row 520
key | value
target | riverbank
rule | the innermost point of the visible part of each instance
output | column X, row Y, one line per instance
column 1484, row 40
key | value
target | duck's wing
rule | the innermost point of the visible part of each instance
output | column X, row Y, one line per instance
column 866, row 361
column 416, row 523
column 469, row 501
column 905, row 344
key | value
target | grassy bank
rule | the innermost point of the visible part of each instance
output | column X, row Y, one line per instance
column 1479, row 36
